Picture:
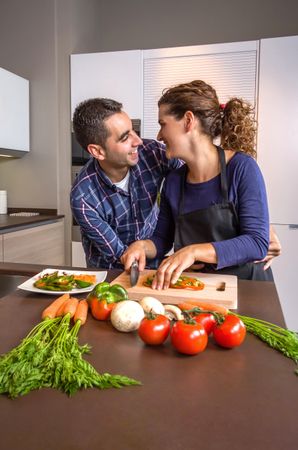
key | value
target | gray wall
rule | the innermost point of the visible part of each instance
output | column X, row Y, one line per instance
column 135, row 24
column 27, row 48
column 37, row 37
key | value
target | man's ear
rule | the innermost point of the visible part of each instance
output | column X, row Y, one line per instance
column 96, row 151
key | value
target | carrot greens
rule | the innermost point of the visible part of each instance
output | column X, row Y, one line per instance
column 50, row 356
column 281, row 339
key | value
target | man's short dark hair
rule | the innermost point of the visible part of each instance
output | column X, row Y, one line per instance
column 89, row 120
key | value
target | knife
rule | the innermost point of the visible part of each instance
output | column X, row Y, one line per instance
column 134, row 273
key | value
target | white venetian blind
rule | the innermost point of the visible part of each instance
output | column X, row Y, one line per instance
column 230, row 71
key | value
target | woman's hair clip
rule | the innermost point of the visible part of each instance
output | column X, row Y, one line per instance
column 222, row 109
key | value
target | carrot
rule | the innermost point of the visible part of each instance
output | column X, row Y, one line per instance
column 86, row 277
column 81, row 312
column 51, row 311
column 60, row 310
column 203, row 305
column 64, row 307
column 70, row 307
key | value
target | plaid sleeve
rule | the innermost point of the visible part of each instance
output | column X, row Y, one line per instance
column 98, row 231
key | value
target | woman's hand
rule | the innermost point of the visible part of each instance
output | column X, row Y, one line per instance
column 172, row 267
column 273, row 250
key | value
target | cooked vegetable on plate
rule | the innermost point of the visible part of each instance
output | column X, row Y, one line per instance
column 63, row 281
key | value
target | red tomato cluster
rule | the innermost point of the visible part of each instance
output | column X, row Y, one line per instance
column 230, row 333
column 191, row 336
column 154, row 329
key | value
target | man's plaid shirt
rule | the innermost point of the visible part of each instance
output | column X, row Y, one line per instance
column 110, row 219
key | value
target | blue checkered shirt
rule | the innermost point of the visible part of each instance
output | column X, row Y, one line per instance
column 110, row 218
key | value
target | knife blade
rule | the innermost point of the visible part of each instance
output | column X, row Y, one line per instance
column 134, row 273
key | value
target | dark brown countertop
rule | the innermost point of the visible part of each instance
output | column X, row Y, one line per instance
column 245, row 398
column 12, row 223
column 29, row 270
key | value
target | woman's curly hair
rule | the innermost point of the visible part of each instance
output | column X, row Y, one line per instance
column 234, row 122
column 239, row 127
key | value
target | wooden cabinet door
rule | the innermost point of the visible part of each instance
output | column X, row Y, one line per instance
column 43, row 244
column 1, row 248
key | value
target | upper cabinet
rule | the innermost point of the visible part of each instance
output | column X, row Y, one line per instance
column 230, row 68
column 278, row 125
column 116, row 75
column 14, row 114
column 137, row 78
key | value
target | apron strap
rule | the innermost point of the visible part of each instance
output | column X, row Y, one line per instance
column 223, row 174
column 182, row 185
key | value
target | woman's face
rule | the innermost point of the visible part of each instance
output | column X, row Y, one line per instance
column 172, row 133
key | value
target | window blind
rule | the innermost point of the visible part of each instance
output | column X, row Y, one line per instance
column 232, row 74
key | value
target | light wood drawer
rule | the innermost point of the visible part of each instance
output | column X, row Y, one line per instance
column 43, row 244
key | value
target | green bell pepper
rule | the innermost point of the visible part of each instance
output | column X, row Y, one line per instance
column 110, row 293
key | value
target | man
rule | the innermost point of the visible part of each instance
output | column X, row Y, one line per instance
column 114, row 198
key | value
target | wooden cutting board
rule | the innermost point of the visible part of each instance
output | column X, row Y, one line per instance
column 227, row 298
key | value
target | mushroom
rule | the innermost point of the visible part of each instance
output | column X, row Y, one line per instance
column 151, row 304
column 173, row 312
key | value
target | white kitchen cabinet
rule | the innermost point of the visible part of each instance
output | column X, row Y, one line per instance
column 278, row 125
column 231, row 68
column 116, row 75
column 278, row 158
column 14, row 114
column 285, row 273
column 78, row 255
column 40, row 244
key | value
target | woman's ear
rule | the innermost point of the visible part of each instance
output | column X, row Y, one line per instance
column 189, row 120
column 96, row 151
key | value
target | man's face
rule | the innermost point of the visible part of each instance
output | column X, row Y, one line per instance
column 121, row 147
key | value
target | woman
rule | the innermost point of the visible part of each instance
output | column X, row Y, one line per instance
column 214, row 208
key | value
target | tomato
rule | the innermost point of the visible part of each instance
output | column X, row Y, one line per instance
column 100, row 308
column 207, row 320
column 230, row 333
column 154, row 329
column 189, row 338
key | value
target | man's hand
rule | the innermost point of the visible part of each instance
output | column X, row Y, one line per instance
column 273, row 250
column 135, row 252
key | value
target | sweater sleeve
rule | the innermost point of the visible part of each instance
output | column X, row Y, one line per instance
column 253, row 240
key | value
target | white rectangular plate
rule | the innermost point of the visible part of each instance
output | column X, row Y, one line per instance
column 28, row 285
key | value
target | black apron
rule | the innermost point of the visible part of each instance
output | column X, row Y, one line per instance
column 218, row 222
